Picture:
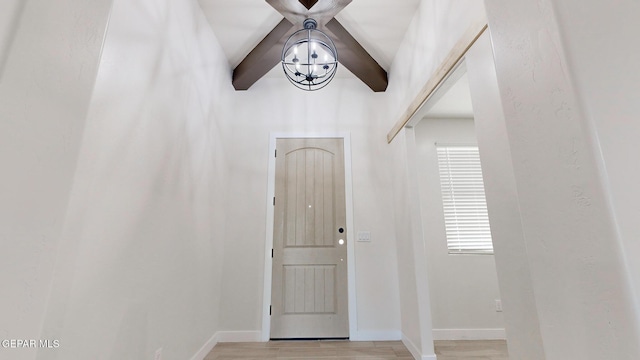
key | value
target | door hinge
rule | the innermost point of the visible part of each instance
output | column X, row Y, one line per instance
column 274, row 201
column 271, row 253
column 269, row 310
column 275, row 154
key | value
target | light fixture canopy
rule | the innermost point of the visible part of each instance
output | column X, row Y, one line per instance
column 309, row 57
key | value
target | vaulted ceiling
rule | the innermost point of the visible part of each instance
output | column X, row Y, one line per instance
column 367, row 32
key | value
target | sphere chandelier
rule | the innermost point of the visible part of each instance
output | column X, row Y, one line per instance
column 309, row 57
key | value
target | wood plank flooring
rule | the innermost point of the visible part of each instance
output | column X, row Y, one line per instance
column 471, row 350
column 355, row 350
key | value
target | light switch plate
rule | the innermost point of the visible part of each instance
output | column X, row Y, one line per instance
column 364, row 236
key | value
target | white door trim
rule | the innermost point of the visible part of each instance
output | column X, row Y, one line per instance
column 348, row 187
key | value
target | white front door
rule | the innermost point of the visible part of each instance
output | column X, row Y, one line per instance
column 309, row 289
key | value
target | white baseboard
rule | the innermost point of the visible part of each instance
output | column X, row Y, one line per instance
column 227, row 336
column 239, row 336
column 469, row 334
column 411, row 347
column 415, row 352
column 376, row 335
column 206, row 348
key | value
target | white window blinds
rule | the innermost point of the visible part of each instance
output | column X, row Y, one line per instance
column 465, row 207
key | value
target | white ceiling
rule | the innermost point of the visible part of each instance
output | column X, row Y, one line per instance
column 379, row 25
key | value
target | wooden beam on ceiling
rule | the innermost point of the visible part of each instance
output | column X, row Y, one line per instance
column 268, row 52
column 308, row 3
column 296, row 11
column 324, row 11
column 355, row 58
column 292, row 10
column 263, row 57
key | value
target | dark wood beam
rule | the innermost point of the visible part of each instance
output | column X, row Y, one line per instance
column 326, row 10
column 268, row 52
column 308, row 3
column 292, row 10
column 263, row 57
column 355, row 58
column 322, row 11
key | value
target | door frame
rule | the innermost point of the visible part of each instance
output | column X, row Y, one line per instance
column 348, row 191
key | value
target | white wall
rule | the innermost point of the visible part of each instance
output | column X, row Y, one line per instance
column 602, row 54
column 45, row 90
column 434, row 30
column 412, row 268
column 582, row 285
column 10, row 14
column 139, row 265
column 139, row 258
column 274, row 105
column 463, row 288
column 514, row 274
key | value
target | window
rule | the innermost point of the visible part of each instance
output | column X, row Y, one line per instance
column 465, row 207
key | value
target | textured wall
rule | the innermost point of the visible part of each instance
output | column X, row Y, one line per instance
column 583, row 296
column 45, row 90
column 512, row 262
column 602, row 55
column 139, row 264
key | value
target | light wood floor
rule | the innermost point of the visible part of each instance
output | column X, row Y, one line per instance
column 357, row 350
column 472, row 350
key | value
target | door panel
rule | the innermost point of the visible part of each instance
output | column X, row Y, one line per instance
column 309, row 179
column 309, row 289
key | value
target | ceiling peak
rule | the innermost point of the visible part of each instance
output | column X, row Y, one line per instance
column 268, row 52
column 308, row 3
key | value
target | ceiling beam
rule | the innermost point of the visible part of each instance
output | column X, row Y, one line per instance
column 263, row 57
column 292, row 10
column 268, row 52
column 355, row 58
column 326, row 10
column 296, row 11
column 308, row 3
